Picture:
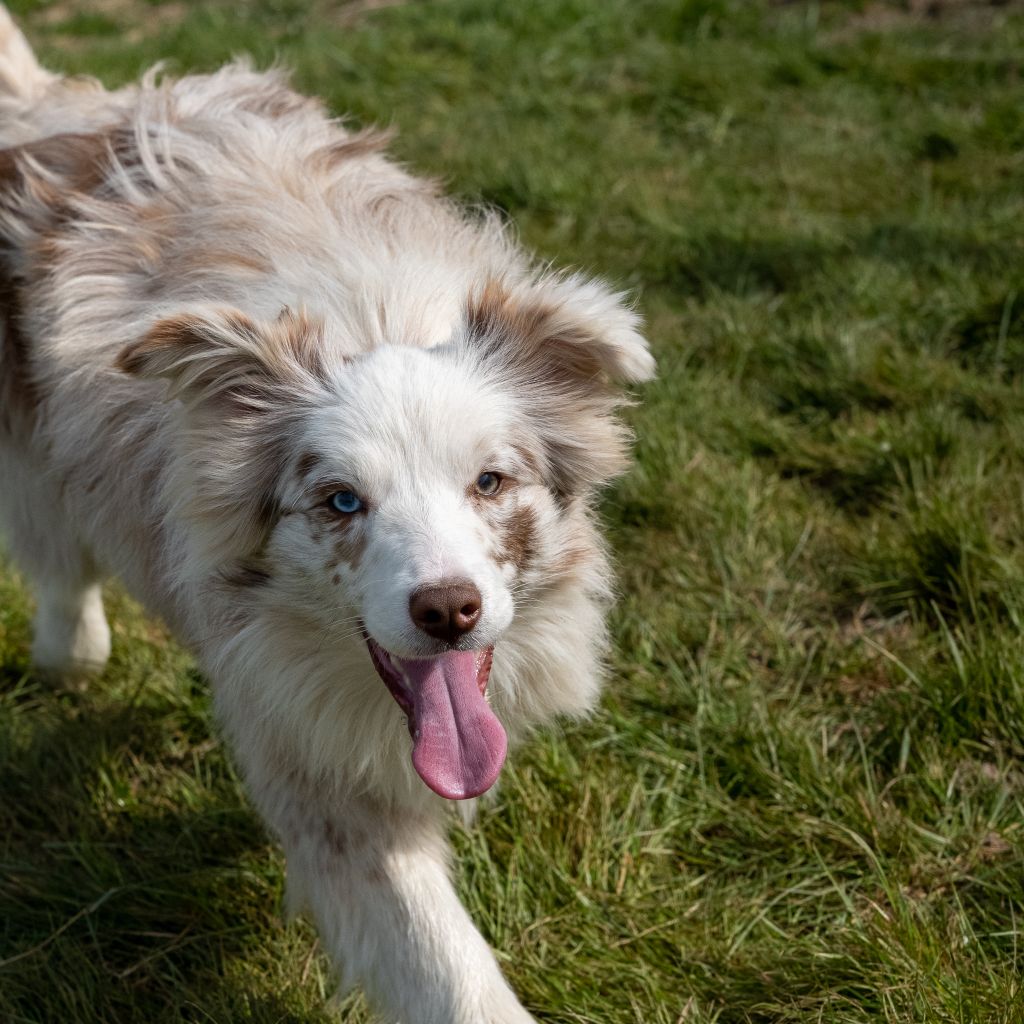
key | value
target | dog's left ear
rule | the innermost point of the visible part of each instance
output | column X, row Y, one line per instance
column 225, row 358
column 242, row 383
column 566, row 345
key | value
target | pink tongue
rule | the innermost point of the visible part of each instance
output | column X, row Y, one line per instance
column 459, row 745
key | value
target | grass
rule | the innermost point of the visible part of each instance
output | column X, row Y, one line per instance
column 802, row 798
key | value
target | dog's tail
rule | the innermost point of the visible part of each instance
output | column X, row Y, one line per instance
column 21, row 75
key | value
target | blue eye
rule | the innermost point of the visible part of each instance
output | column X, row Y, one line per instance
column 488, row 484
column 345, row 502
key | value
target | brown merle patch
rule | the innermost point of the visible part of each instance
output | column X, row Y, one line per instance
column 514, row 523
column 349, row 545
column 518, row 543
column 343, row 534
column 359, row 144
column 19, row 390
column 492, row 314
column 20, row 393
column 80, row 160
column 537, row 334
column 39, row 182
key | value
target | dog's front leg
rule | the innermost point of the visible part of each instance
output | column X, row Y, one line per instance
column 375, row 878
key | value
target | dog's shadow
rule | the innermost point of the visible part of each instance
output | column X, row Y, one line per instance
column 134, row 878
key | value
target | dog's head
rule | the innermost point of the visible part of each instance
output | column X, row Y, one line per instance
column 421, row 499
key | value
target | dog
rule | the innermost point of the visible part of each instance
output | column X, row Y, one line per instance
column 344, row 437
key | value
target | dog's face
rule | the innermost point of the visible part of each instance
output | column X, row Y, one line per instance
column 415, row 505
column 416, row 498
column 414, row 518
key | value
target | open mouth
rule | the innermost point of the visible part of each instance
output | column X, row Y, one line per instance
column 459, row 745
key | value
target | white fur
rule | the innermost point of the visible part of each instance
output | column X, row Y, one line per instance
column 296, row 313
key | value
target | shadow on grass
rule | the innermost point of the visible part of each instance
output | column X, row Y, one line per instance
column 740, row 264
column 132, row 874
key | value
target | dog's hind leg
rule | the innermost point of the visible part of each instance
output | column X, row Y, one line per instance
column 71, row 635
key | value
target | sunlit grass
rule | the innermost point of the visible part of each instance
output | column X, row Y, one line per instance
column 802, row 798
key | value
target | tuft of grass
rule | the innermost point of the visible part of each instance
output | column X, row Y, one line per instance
column 802, row 797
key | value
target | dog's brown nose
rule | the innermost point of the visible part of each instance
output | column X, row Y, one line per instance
column 446, row 611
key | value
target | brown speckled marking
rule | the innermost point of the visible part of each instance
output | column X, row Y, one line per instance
column 543, row 341
column 78, row 158
column 336, row 578
column 301, row 337
column 343, row 533
column 583, row 547
column 519, row 537
column 349, row 545
column 77, row 164
column 359, row 144
column 19, row 392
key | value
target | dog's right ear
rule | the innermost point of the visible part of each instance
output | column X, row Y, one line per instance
column 566, row 346
column 226, row 358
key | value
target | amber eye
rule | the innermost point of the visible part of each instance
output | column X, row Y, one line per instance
column 488, row 484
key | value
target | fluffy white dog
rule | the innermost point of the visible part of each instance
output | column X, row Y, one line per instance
column 343, row 437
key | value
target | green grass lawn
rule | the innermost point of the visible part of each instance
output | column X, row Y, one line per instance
column 802, row 797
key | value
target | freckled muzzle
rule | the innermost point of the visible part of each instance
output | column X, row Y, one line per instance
column 459, row 745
